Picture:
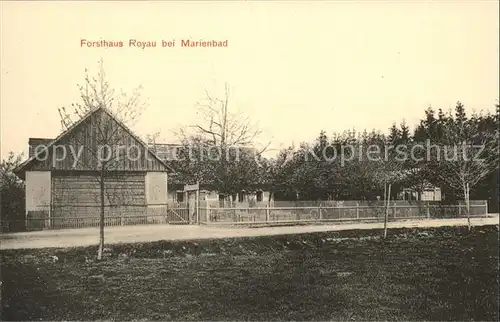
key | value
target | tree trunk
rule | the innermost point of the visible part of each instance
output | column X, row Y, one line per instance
column 386, row 217
column 467, row 205
column 385, row 198
column 385, row 193
column 101, row 219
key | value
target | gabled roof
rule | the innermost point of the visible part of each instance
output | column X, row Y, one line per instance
column 166, row 151
column 144, row 144
column 20, row 169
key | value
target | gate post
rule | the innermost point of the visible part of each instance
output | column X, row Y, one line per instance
column 193, row 188
column 198, row 205
column 50, row 215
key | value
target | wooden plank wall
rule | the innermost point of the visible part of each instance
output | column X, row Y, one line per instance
column 79, row 195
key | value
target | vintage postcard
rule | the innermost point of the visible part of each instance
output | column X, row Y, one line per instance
column 249, row 160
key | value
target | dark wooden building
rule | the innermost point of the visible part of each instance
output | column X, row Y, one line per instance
column 62, row 175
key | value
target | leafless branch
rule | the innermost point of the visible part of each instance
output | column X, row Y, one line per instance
column 223, row 127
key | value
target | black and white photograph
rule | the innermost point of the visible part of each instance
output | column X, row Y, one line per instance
column 249, row 160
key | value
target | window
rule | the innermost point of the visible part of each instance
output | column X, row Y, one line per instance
column 259, row 196
column 180, row 196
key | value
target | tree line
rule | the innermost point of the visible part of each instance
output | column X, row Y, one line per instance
column 221, row 151
column 456, row 152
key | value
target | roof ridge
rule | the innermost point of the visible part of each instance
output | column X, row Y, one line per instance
column 19, row 168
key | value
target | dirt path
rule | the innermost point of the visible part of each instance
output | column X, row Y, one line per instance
column 131, row 234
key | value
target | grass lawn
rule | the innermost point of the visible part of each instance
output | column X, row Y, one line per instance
column 417, row 274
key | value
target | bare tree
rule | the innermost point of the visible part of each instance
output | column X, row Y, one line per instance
column 389, row 171
column 107, row 114
column 151, row 139
column 466, row 155
column 222, row 146
column 223, row 127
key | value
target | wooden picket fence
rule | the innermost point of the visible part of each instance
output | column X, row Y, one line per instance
column 348, row 213
column 182, row 214
column 123, row 215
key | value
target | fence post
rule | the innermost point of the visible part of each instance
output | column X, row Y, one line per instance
column 486, row 207
column 459, row 209
column 357, row 210
column 267, row 212
column 320, row 212
column 50, row 216
column 394, row 211
column 427, row 209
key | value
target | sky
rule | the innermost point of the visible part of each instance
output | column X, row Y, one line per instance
column 294, row 68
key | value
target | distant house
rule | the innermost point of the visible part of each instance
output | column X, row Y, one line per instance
column 166, row 151
column 68, row 187
column 429, row 193
column 256, row 195
column 172, row 151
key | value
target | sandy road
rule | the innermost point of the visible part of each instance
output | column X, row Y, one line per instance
column 131, row 234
